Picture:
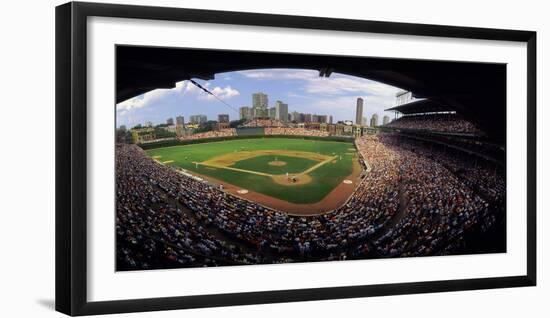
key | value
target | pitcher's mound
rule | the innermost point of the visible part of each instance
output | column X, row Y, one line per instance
column 289, row 181
column 277, row 163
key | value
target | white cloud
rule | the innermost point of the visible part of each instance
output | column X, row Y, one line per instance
column 223, row 93
column 344, row 85
column 336, row 84
column 280, row 74
column 182, row 88
column 142, row 100
column 372, row 104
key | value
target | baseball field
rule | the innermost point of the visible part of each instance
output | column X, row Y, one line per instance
column 296, row 171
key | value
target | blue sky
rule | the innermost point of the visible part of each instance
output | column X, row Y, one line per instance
column 303, row 90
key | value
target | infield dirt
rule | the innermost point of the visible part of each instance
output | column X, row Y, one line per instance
column 336, row 198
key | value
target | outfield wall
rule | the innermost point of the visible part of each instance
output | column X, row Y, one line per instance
column 250, row 131
column 170, row 143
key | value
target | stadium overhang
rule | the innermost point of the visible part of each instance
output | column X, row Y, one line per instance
column 477, row 91
column 421, row 106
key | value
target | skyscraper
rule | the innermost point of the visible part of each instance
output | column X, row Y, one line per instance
column 180, row 126
column 197, row 119
column 170, row 121
column 281, row 111
column 359, row 111
column 245, row 112
column 295, row 116
column 259, row 105
column 374, row 120
column 223, row 118
column 322, row 118
column 271, row 113
column 330, row 119
column 386, row 120
column 259, row 100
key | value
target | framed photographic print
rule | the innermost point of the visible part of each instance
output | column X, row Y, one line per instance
column 209, row 158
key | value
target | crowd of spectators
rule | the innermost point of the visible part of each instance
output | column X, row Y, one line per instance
column 228, row 132
column 440, row 208
column 409, row 203
column 435, row 122
column 263, row 122
column 291, row 131
column 152, row 230
column 481, row 175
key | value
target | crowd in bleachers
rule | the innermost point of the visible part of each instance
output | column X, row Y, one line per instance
column 228, row 132
column 440, row 208
column 435, row 122
column 263, row 122
column 407, row 204
column 150, row 223
column 291, row 131
column 483, row 176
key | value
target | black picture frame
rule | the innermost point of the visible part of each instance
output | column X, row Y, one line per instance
column 71, row 157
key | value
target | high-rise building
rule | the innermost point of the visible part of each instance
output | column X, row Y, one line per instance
column 271, row 112
column 322, row 118
column 386, row 120
column 170, row 121
column 281, row 111
column 259, row 100
column 365, row 121
column 330, row 119
column 259, row 105
column 295, row 116
column 197, row 119
column 307, row 118
column 245, row 112
column 180, row 126
column 223, row 118
column 374, row 120
column 359, row 111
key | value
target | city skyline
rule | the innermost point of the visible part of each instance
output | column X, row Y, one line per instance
column 301, row 90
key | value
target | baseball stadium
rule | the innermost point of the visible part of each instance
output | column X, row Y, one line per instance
column 283, row 187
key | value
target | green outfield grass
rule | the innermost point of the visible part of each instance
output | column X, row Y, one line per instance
column 323, row 179
column 261, row 164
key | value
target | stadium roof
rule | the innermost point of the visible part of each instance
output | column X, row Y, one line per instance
column 421, row 106
column 475, row 90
